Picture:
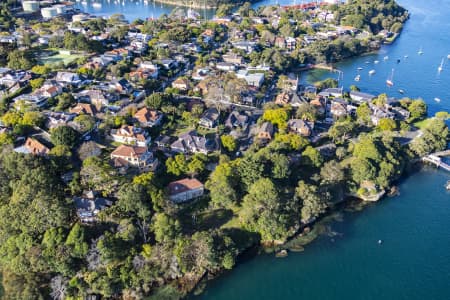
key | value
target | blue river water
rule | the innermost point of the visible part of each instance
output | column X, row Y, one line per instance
column 413, row 262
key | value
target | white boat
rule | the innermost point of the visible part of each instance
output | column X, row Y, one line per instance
column 448, row 56
column 96, row 5
column 401, row 91
column 406, row 56
column 420, row 51
column 390, row 80
column 376, row 61
column 358, row 78
column 359, row 68
column 441, row 66
column 386, row 57
column 437, row 99
column 371, row 72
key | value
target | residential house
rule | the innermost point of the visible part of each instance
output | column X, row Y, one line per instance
column 68, row 78
column 338, row 108
column 121, row 86
column 245, row 45
column 33, row 146
column 301, row 127
column 332, row 92
column 183, row 190
column 401, row 114
column 253, row 79
column 55, row 119
column 84, row 108
column 98, row 98
column 379, row 113
column 88, row 206
column 233, row 59
column 126, row 156
column 319, row 104
column 209, row 118
column 148, row 117
column 360, row 97
column 35, row 99
column 181, row 83
column 290, row 43
column 266, row 132
column 190, row 142
column 224, row 66
column 237, row 120
column 163, row 141
column 130, row 135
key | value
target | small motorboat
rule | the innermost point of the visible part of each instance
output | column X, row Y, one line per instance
column 376, row 61
column 437, row 99
column 401, row 91
column 360, row 68
column 406, row 56
column 380, row 242
column 447, row 186
column 448, row 56
column 371, row 72
column 358, row 78
column 281, row 254
column 386, row 57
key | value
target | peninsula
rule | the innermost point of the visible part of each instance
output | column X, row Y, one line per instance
column 138, row 159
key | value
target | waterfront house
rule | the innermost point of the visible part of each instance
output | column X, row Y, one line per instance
column 360, row 97
column 130, row 135
column 148, row 117
column 184, row 190
column 332, row 92
column 126, row 156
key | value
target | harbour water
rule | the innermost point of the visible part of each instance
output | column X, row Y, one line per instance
column 132, row 9
column 413, row 261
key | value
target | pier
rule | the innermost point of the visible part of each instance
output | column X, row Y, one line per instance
column 437, row 161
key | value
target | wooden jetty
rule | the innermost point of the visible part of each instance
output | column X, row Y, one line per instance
column 437, row 161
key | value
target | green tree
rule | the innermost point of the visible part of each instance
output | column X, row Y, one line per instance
column 176, row 165
column 134, row 203
column 418, row 110
column 64, row 135
column 36, row 83
column 76, row 241
column 277, row 116
column 386, row 124
column 166, row 228
column 363, row 114
column 312, row 157
column 312, row 202
column 228, row 142
column 262, row 211
column 222, row 185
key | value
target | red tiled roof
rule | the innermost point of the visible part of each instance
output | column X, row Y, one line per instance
column 184, row 185
column 129, row 151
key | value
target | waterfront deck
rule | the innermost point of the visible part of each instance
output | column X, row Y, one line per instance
column 437, row 161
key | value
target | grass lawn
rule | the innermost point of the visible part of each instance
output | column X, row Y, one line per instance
column 58, row 58
column 422, row 124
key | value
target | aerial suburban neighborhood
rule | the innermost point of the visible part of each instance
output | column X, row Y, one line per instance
column 155, row 143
